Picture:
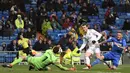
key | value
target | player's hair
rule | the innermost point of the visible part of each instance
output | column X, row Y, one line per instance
column 84, row 24
column 56, row 49
column 120, row 33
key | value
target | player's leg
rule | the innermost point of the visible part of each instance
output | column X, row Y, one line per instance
column 98, row 52
column 21, row 57
column 98, row 56
column 89, row 52
column 97, row 61
column 106, row 56
column 115, row 62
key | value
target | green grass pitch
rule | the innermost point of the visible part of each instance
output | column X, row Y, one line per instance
column 95, row 69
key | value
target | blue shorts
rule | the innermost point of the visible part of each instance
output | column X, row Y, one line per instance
column 113, row 57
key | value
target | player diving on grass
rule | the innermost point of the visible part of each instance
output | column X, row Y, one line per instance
column 51, row 56
column 90, row 38
column 119, row 44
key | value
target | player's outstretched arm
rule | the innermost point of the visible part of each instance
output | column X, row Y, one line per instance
column 109, row 40
column 83, row 45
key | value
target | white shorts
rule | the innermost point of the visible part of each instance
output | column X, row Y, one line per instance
column 93, row 50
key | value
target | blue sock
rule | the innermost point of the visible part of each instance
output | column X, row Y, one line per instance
column 97, row 61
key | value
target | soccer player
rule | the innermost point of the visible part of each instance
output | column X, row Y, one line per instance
column 91, row 38
column 51, row 56
column 24, row 51
column 119, row 44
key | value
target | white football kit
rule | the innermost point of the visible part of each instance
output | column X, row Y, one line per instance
column 90, row 36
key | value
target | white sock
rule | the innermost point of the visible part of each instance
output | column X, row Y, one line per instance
column 87, row 61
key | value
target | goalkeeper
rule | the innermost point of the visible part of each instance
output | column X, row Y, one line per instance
column 51, row 56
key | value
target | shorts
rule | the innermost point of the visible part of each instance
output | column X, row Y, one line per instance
column 93, row 50
column 26, row 50
column 114, row 58
column 21, row 53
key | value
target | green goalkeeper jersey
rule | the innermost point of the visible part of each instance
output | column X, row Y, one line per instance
column 46, row 59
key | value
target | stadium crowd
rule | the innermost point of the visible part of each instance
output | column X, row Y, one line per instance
column 60, row 15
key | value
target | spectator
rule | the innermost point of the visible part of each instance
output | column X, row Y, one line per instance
column 13, row 46
column 84, row 20
column 73, row 16
column 50, row 5
column 63, row 17
column 8, row 25
column 32, row 15
column 12, row 17
column 126, row 25
column 104, row 26
column 46, row 25
column 108, row 3
column 19, row 23
column 115, row 15
column 7, row 29
column 29, row 34
column 76, row 6
column 49, row 44
column 62, row 42
column 73, row 34
column 70, row 43
column 21, row 13
column 79, row 17
column 1, row 28
column 3, row 20
column 84, row 9
column 4, row 46
column 127, row 36
column 127, row 2
column 94, row 10
column 68, row 23
column 110, row 20
column 58, row 5
column 14, row 9
column 111, row 3
column 39, row 46
column 28, row 23
column 97, row 27
column 53, row 16
column 121, row 2
column 54, row 23
column 108, row 12
column 104, row 4
column 22, row 32
column 70, row 7
column 45, row 44
column 39, row 2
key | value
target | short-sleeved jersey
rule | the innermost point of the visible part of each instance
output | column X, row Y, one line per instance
column 117, row 44
column 23, row 42
column 91, row 35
